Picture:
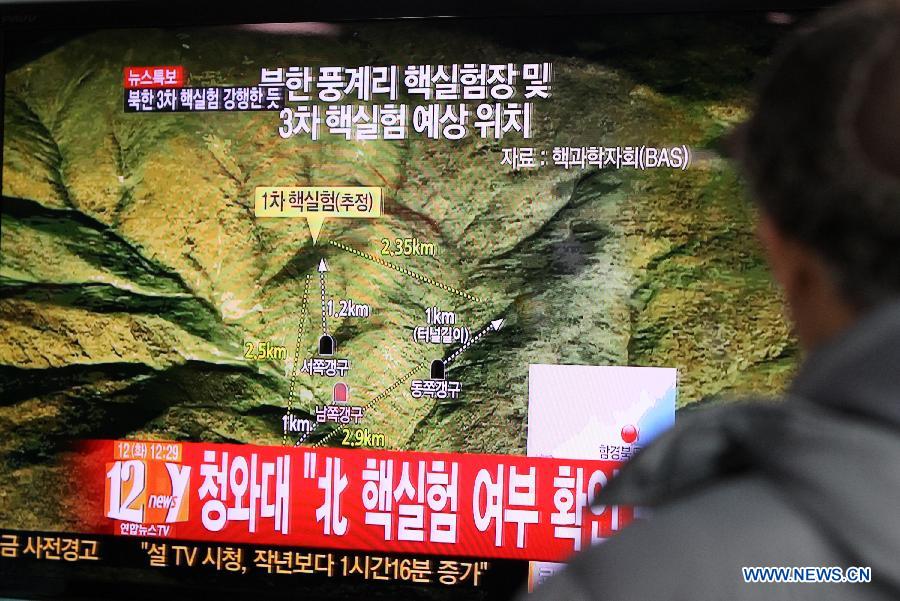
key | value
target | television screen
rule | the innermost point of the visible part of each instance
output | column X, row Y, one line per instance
column 363, row 307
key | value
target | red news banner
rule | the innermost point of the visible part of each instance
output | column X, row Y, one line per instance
column 172, row 76
column 485, row 506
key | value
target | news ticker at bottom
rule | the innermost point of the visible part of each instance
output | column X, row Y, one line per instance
column 247, row 561
column 404, row 502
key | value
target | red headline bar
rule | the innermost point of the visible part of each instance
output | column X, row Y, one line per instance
column 172, row 76
column 485, row 506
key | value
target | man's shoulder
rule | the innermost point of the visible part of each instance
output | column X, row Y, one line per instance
column 694, row 548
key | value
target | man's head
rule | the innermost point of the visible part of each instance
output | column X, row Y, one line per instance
column 822, row 154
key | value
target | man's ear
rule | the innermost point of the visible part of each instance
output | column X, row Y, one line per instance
column 815, row 305
column 799, row 271
column 793, row 266
column 777, row 250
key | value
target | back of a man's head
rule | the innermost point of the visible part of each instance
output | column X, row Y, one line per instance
column 822, row 150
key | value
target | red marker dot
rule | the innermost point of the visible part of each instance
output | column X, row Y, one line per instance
column 629, row 434
column 339, row 393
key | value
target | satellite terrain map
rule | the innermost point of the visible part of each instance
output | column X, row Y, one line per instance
column 142, row 296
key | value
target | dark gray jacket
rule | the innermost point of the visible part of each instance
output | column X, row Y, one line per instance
column 812, row 481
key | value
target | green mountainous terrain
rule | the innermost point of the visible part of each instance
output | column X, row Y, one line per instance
column 134, row 270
